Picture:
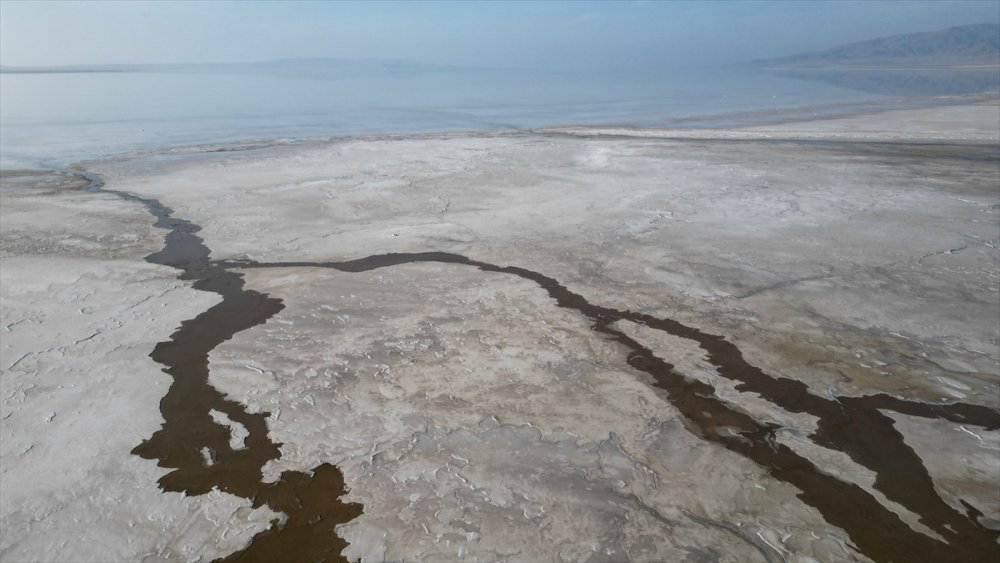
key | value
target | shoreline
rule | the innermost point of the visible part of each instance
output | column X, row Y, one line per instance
column 749, row 125
column 935, row 124
column 754, row 130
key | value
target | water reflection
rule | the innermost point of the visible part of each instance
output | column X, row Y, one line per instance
column 908, row 82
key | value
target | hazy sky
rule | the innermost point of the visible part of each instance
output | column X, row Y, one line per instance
column 506, row 34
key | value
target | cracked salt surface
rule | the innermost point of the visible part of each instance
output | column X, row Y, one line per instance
column 368, row 355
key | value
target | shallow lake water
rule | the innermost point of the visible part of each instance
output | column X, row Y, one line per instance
column 55, row 119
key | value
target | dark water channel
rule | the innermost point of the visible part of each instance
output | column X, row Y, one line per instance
column 311, row 500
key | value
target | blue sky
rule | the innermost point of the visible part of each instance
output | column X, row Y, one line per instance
column 549, row 35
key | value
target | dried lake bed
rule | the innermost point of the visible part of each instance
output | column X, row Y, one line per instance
column 775, row 343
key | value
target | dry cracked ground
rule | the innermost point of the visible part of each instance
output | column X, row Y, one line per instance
column 474, row 417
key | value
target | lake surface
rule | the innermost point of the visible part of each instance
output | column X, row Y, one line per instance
column 55, row 119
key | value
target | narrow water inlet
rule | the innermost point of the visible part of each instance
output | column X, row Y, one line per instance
column 311, row 502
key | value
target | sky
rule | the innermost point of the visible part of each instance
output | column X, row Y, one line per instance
column 541, row 35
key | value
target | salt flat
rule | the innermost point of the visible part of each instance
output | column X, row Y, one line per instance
column 475, row 416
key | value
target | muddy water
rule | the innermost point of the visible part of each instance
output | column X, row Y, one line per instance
column 197, row 448
column 311, row 501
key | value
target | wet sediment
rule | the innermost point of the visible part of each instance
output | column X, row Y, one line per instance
column 311, row 501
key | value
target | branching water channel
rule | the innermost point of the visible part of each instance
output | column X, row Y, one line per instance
column 311, row 500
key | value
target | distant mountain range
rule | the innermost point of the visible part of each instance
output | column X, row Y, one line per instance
column 325, row 68
column 963, row 46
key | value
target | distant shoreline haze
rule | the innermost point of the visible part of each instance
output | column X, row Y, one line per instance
column 59, row 115
column 967, row 47
column 292, row 68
